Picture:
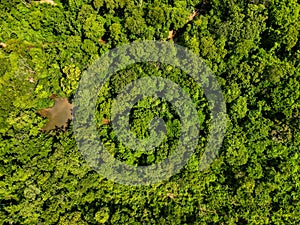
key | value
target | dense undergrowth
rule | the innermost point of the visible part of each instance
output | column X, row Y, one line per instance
column 251, row 46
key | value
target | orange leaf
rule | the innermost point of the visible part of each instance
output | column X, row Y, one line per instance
column 171, row 34
column 105, row 121
column 101, row 41
column 192, row 15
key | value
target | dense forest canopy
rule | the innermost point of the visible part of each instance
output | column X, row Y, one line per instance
column 252, row 46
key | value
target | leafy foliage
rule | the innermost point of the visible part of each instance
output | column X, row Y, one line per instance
column 253, row 49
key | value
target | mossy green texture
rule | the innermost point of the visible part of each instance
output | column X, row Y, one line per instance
column 251, row 46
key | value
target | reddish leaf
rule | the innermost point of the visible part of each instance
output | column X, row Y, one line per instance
column 105, row 121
